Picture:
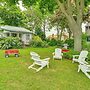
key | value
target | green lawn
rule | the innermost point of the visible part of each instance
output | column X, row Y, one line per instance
column 62, row 75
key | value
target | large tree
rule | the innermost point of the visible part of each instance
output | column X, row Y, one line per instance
column 73, row 10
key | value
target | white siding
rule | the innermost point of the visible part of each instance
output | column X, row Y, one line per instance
column 26, row 38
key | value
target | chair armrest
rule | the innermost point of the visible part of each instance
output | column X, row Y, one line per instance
column 46, row 59
column 85, row 65
column 75, row 56
column 83, row 62
column 88, row 66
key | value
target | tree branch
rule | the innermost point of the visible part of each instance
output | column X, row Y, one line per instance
column 61, row 7
column 69, row 17
column 69, row 7
column 79, row 6
column 82, row 5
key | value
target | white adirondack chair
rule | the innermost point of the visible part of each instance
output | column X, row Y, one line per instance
column 37, row 61
column 85, row 69
column 57, row 54
column 81, row 58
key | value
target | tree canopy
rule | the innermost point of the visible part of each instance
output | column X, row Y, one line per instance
column 12, row 15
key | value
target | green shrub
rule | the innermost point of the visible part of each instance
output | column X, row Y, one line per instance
column 44, row 44
column 37, row 42
column 60, row 43
column 85, row 44
column 70, row 43
column 10, row 43
column 69, row 55
column 52, row 42
column 84, row 41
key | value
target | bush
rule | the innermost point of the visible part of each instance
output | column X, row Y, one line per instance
column 70, row 43
column 53, row 42
column 60, row 43
column 69, row 55
column 44, row 44
column 10, row 43
column 37, row 42
column 85, row 43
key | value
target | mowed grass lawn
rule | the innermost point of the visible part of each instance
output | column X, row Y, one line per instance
column 62, row 75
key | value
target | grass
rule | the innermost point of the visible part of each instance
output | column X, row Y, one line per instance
column 62, row 75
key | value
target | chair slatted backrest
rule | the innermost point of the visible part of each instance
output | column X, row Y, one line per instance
column 35, row 56
column 58, row 52
column 83, row 55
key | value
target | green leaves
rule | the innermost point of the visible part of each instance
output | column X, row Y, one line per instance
column 10, row 2
column 10, row 42
column 47, row 5
column 11, row 15
column 87, row 2
column 29, row 2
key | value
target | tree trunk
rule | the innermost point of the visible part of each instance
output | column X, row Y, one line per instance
column 77, row 42
column 61, row 34
column 57, row 32
column 70, row 33
column 77, row 33
column 44, row 29
column 77, row 39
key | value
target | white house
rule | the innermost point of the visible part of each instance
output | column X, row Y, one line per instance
column 24, row 34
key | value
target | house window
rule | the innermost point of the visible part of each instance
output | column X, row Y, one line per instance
column 14, row 35
column 27, row 36
column 20, row 35
column 8, row 34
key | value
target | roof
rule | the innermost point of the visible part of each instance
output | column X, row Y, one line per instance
column 15, row 29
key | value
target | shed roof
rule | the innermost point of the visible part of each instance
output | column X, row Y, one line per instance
column 15, row 29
